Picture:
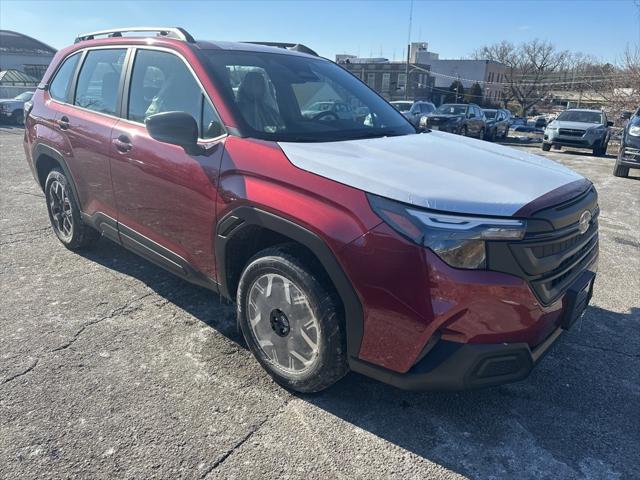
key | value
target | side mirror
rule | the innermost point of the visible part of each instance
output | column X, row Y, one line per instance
column 609, row 124
column 176, row 128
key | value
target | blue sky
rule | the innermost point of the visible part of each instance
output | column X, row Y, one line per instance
column 452, row 28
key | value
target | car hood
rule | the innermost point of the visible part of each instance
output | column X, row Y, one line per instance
column 435, row 170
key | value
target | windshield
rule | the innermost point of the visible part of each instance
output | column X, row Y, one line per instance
column 490, row 114
column 402, row 106
column 448, row 109
column 300, row 99
column 581, row 117
column 24, row 97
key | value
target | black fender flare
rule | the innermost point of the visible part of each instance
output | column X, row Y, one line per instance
column 41, row 150
column 247, row 216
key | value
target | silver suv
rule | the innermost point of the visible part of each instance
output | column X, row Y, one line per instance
column 579, row 128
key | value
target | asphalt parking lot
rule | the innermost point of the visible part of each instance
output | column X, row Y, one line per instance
column 110, row 367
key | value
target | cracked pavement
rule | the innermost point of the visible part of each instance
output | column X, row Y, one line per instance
column 111, row 367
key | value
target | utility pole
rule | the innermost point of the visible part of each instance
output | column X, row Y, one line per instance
column 406, row 72
column 457, row 88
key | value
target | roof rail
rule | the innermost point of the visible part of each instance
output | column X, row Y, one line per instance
column 171, row 32
column 298, row 47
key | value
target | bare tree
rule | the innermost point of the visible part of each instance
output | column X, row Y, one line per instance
column 619, row 84
column 530, row 65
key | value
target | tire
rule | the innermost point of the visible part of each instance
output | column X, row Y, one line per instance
column 18, row 117
column 600, row 150
column 314, row 313
column 546, row 147
column 620, row 171
column 465, row 131
column 64, row 213
column 482, row 134
column 506, row 133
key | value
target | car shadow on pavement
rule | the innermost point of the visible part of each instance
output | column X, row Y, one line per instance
column 570, row 418
column 205, row 305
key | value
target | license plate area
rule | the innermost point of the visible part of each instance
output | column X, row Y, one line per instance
column 577, row 299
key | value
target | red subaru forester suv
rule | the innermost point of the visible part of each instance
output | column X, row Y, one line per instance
column 347, row 239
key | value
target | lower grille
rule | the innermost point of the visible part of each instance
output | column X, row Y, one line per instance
column 631, row 154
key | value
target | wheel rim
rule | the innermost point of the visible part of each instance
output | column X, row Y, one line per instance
column 60, row 208
column 283, row 324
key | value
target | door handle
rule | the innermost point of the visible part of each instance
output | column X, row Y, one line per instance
column 122, row 144
column 63, row 123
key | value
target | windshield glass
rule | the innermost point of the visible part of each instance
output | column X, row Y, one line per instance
column 490, row 114
column 300, row 99
column 582, row 117
column 402, row 106
column 448, row 109
column 24, row 97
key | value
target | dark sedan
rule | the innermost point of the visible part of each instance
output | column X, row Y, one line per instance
column 460, row 118
column 497, row 124
column 629, row 153
column 12, row 109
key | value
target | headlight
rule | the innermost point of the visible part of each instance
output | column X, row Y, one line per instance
column 634, row 130
column 459, row 240
column 423, row 121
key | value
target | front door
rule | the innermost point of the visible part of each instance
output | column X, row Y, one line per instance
column 166, row 198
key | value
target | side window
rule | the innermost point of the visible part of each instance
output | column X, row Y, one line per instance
column 59, row 88
column 161, row 82
column 99, row 79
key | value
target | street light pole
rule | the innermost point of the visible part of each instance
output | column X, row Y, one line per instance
column 406, row 72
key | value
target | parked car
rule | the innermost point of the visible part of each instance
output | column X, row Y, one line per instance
column 346, row 244
column 579, row 128
column 329, row 109
column 415, row 110
column 517, row 121
column 629, row 152
column 497, row 124
column 461, row 118
column 12, row 109
column 540, row 123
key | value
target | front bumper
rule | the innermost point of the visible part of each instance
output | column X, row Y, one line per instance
column 585, row 141
column 446, row 127
column 629, row 157
column 452, row 366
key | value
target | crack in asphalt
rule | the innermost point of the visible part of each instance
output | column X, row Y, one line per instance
column 35, row 230
column 20, row 374
column 605, row 349
column 39, row 195
column 255, row 428
column 114, row 313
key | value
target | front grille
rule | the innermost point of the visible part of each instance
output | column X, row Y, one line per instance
column 553, row 253
column 571, row 132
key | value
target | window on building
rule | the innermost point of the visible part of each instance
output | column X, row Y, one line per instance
column 402, row 81
column 386, row 80
column 371, row 80
column 99, row 80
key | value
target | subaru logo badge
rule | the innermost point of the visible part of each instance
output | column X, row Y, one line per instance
column 585, row 221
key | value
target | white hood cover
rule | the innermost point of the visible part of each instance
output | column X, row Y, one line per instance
column 435, row 170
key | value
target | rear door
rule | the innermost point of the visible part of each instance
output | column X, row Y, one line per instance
column 166, row 197
column 85, row 119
